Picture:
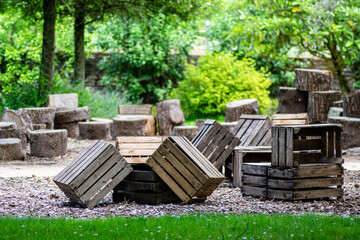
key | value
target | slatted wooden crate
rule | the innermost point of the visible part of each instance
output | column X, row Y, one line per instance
column 215, row 142
column 144, row 186
column 290, row 119
column 254, row 179
column 93, row 174
column 185, row 170
column 138, row 149
column 290, row 149
column 309, row 181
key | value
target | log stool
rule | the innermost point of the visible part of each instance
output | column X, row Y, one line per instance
column 42, row 115
column 187, row 131
column 237, row 108
column 134, row 125
column 7, row 125
column 48, row 143
column 94, row 130
column 11, row 149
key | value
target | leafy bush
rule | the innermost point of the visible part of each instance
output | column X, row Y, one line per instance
column 217, row 80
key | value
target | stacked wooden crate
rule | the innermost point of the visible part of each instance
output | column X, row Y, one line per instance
column 185, row 170
column 254, row 179
column 93, row 174
column 306, row 162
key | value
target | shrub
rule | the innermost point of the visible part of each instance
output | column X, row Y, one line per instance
column 219, row 79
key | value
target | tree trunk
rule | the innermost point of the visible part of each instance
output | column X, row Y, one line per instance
column 48, row 48
column 319, row 104
column 292, row 100
column 79, row 32
column 352, row 104
column 313, row 80
column 169, row 115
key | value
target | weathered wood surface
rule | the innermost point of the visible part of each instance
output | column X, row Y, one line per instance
column 254, row 191
column 48, row 143
column 96, row 172
column 305, row 194
column 145, row 198
column 72, row 115
column 138, row 149
column 19, row 117
column 237, row 108
column 45, row 115
column 335, row 112
column 105, row 120
column 319, row 104
column 169, row 115
column 94, row 130
column 41, row 126
column 143, row 109
column 254, row 179
column 200, row 123
column 313, row 80
column 11, row 149
column 186, row 131
column 292, row 100
column 350, row 136
column 63, row 101
column 185, row 170
column 134, row 125
column 72, row 128
column 352, row 104
column 7, row 125
column 290, row 119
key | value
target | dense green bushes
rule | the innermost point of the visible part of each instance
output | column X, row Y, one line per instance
column 219, row 79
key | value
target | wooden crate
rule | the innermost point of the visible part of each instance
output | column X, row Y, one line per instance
column 254, row 179
column 185, row 169
column 138, row 149
column 93, row 174
column 144, row 186
column 309, row 181
column 290, row 119
column 215, row 142
column 290, row 149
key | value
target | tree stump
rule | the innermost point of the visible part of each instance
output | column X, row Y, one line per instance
column 19, row 117
column 313, row 80
column 94, row 130
column 350, row 136
column 200, row 123
column 39, row 126
column 169, row 115
column 72, row 129
column 7, row 125
column 15, row 133
column 319, row 104
column 352, row 104
column 292, row 100
column 11, row 149
column 72, row 115
column 187, row 131
column 48, row 143
column 44, row 115
column 63, row 101
column 104, row 120
column 143, row 109
column 134, row 125
column 237, row 108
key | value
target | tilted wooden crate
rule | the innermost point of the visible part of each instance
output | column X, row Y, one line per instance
column 308, row 181
column 144, row 186
column 254, row 179
column 293, row 145
column 215, row 142
column 185, row 170
column 93, row 174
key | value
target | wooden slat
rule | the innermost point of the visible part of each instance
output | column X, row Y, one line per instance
column 304, row 183
column 142, row 186
column 264, row 127
column 237, row 127
column 312, row 171
column 289, row 162
column 254, row 191
column 221, row 147
column 201, row 134
column 143, row 175
column 260, row 169
column 303, row 195
column 136, row 160
column 260, row 181
column 217, row 139
column 290, row 116
column 225, row 154
column 209, row 136
column 282, row 147
column 243, row 129
column 275, row 147
column 307, row 144
column 139, row 139
column 290, row 122
column 248, row 133
column 253, row 117
column 266, row 140
column 147, row 145
column 137, row 152
column 145, row 198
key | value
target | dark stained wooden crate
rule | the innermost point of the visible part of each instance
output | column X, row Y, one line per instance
column 293, row 145
column 308, row 181
column 93, row 174
column 144, row 186
column 254, row 179
column 215, row 142
column 185, row 169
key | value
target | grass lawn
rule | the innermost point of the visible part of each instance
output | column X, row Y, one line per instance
column 228, row 226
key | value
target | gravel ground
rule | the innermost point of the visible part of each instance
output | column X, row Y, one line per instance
column 38, row 196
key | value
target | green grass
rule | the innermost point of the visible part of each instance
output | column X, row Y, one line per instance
column 213, row 226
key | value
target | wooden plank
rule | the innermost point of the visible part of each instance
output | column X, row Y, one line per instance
column 221, row 148
column 275, row 147
column 137, row 152
column 140, row 139
column 225, row 154
column 314, row 129
column 254, row 191
column 260, row 169
column 108, row 187
column 210, row 134
column 263, row 128
column 307, row 157
column 142, row 186
column 143, row 175
column 253, row 149
column 217, row 139
column 266, row 140
column 282, row 147
column 136, row 160
column 318, row 182
column 312, row 171
column 185, row 161
column 237, row 169
column 250, row 180
column 183, row 183
column 290, row 122
column 201, row 134
column 145, row 197
column 253, row 117
column 290, row 116
column 180, row 168
column 317, row 194
column 249, row 132
column 168, row 180
column 243, row 129
column 289, row 162
column 148, row 145
column 239, row 125
column 279, row 194
column 307, row 144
